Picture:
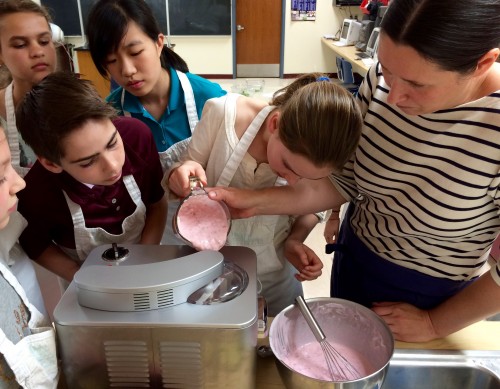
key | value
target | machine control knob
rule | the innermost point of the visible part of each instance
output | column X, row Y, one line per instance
column 115, row 254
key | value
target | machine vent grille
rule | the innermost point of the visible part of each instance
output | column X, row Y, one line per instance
column 181, row 365
column 165, row 298
column 146, row 301
column 127, row 364
column 141, row 302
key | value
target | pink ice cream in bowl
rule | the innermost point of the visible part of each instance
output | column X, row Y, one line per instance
column 356, row 332
column 201, row 222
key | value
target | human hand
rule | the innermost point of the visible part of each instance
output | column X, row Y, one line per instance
column 332, row 227
column 407, row 322
column 240, row 202
column 303, row 259
column 178, row 181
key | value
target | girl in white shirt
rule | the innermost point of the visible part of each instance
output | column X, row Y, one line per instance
column 309, row 130
column 27, row 340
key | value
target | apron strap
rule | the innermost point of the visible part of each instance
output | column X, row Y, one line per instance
column 189, row 100
column 133, row 189
column 244, row 143
column 79, row 219
column 122, row 102
column 76, row 212
column 12, row 133
column 37, row 317
column 332, row 247
column 192, row 113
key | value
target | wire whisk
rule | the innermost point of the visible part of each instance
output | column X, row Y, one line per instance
column 339, row 367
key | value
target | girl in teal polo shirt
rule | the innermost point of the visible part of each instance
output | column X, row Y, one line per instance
column 156, row 87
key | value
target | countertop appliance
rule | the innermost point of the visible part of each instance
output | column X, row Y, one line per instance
column 119, row 279
column 178, row 345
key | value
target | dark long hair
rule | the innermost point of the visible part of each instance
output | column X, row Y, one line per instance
column 107, row 23
column 453, row 34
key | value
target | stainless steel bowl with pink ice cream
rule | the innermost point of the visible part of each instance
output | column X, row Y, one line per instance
column 356, row 332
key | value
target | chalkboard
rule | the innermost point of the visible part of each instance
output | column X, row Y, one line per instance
column 187, row 17
column 64, row 13
column 159, row 8
column 200, row 17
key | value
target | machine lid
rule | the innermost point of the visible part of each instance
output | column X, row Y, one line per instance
column 239, row 313
column 129, row 276
column 230, row 284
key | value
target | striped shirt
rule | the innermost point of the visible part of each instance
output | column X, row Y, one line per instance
column 426, row 187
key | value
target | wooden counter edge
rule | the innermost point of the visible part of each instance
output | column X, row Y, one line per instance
column 483, row 335
column 349, row 54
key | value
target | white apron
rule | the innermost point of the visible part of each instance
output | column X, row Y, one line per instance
column 21, row 264
column 14, row 257
column 87, row 239
column 275, row 273
column 33, row 359
column 12, row 133
column 174, row 152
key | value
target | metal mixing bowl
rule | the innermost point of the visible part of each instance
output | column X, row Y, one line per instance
column 342, row 321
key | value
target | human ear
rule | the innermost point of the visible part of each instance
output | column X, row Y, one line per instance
column 50, row 166
column 274, row 120
column 159, row 43
column 486, row 61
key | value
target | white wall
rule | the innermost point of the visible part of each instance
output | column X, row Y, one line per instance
column 303, row 51
column 206, row 55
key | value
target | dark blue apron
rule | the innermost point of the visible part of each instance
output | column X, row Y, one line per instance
column 360, row 275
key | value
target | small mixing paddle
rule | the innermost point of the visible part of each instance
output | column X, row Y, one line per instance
column 340, row 368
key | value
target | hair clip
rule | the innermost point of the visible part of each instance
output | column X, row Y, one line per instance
column 322, row 78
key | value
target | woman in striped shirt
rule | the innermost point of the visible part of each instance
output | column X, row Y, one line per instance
column 424, row 183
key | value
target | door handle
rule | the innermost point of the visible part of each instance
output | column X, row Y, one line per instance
column 239, row 27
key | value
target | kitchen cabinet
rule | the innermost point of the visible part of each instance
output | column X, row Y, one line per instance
column 88, row 71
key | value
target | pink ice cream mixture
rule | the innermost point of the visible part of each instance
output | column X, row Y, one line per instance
column 309, row 360
column 203, row 222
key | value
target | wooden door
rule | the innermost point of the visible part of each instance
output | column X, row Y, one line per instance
column 258, row 38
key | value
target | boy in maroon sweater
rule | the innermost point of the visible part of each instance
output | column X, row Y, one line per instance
column 97, row 178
